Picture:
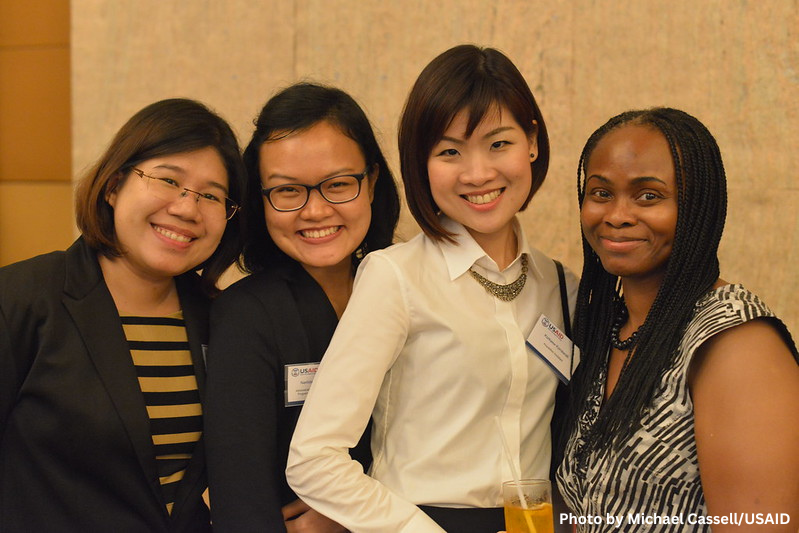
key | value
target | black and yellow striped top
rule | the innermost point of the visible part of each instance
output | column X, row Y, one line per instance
column 160, row 351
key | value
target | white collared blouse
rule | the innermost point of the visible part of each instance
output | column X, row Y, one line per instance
column 433, row 358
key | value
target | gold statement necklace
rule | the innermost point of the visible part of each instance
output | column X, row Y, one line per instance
column 508, row 292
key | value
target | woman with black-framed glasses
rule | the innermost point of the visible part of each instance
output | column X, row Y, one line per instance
column 320, row 196
column 102, row 345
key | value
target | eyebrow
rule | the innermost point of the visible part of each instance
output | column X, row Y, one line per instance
column 181, row 170
column 345, row 171
column 636, row 181
column 491, row 133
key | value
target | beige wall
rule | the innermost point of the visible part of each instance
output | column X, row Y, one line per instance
column 733, row 64
column 35, row 151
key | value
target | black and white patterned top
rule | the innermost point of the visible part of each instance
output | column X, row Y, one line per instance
column 655, row 472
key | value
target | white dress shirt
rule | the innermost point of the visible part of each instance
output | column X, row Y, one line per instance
column 426, row 351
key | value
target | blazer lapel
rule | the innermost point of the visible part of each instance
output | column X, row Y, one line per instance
column 292, row 343
column 195, row 314
column 92, row 308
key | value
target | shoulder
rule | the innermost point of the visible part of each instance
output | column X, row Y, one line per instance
column 724, row 308
column 417, row 254
column 734, row 325
column 549, row 272
column 35, row 275
column 276, row 291
column 33, row 269
column 407, row 251
column 250, row 291
column 734, row 302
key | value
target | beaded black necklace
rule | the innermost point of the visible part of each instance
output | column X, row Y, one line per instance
column 618, row 322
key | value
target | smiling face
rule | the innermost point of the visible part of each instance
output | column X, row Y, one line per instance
column 160, row 239
column 629, row 213
column 482, row 180
column 319, row 235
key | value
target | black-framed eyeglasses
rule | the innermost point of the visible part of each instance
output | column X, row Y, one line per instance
column 336, row 190
column 169, row 189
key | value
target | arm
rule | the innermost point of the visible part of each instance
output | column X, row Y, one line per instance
column 745, row 387
column 369, row 337
column 241, row 419
column 302, row 519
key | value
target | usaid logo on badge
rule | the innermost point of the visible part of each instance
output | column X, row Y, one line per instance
column 296, row 372
column 552, row 327
column 299, row 378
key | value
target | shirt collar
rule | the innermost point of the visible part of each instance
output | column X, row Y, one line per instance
column 465, row 252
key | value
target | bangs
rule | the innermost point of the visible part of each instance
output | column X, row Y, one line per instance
column 482, row 98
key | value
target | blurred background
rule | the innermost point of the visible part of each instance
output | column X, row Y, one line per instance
column 71, row 73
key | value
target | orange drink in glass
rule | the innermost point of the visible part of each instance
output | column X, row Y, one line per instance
column 535, row 514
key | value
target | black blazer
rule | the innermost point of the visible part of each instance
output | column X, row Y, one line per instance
column 259, row 325
column 76, row 452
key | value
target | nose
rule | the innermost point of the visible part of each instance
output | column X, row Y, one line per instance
column 620, row 213
column 316, row 207
column 186, row 205
column 478, row 171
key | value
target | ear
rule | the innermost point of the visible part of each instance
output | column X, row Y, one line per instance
column 372, row 180
column 532, row 142
column 112, row 187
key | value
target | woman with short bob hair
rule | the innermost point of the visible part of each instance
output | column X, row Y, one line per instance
column 320, row 197
column 466, row 78
column 432, row 345
column 147, row 135
column 685, row 401
column 102, row 346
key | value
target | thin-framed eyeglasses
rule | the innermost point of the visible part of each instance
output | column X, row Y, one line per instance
column 336, row 190
column 170, row 190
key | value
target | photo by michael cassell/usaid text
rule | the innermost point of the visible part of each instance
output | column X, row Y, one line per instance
column 639, row 519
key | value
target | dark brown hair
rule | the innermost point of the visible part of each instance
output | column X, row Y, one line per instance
column 166, row 127
column 465, row 77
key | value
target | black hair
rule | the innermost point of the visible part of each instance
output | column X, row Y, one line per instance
column 691, row 271
column 298, row 108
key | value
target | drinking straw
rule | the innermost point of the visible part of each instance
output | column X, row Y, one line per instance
column 515, row 474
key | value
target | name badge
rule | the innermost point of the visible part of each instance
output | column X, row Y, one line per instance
column 555, row 348
column 299, row 378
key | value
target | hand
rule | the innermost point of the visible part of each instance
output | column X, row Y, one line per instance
column 300, row 518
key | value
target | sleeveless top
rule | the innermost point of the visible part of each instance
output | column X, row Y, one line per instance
column 159, row 347
column 652, row 479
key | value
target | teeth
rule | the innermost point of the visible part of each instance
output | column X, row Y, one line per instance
column 318, row 234
column 483, row 198
column 171, row 235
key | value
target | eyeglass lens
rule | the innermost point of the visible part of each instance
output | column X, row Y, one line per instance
column 169, row 190
column 336, row 190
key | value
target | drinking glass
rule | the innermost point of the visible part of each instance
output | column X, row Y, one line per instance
column 535, row 515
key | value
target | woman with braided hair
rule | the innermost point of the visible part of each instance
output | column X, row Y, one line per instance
column 684, row 407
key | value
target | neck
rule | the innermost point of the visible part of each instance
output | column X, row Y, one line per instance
column 136, row 293
column 638, row 297
column 501, row 246
column 336, row 281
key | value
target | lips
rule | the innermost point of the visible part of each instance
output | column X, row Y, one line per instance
column 619, row 244
column 319, row 233
column 174, row 234
column 483, row 198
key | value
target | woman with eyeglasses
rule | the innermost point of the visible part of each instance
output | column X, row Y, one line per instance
column 433, row 344
column 101, row 346
column 321, row 196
